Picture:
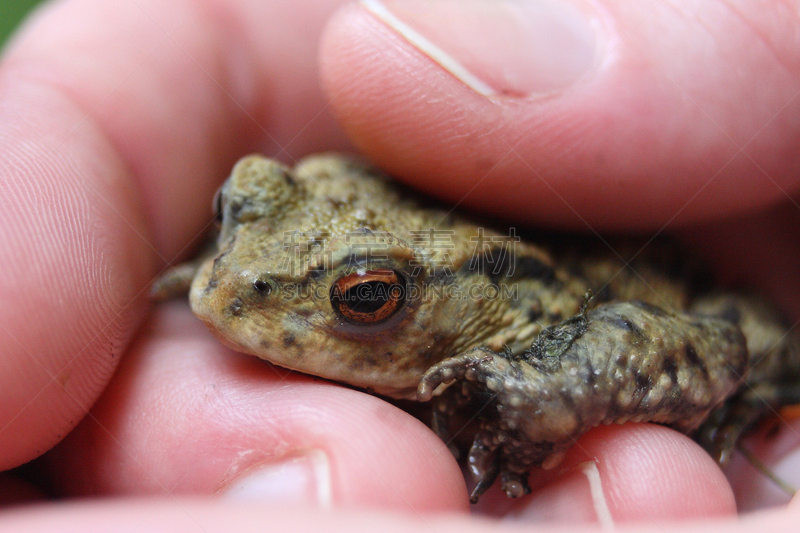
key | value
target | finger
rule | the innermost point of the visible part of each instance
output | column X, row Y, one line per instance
column 181, row 90
column 186, row 416
column 211, row 516
column 605, row 114
column 635, row 473
column 118, row 121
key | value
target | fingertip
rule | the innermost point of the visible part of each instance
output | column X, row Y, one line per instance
column 645, row 473
column 653, row 472
column 642, row 140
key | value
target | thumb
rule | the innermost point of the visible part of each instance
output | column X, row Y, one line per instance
column 611, row 114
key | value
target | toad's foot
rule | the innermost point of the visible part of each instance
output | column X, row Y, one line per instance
column 619, row 362
column 720, row 433
column 774, row 376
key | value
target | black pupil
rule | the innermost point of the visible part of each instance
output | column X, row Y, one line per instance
column 261, row 286
column 368, row 297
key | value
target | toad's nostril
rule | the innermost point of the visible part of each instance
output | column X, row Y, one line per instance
column 236, row 307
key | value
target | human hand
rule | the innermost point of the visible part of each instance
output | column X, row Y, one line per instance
column 119, row 122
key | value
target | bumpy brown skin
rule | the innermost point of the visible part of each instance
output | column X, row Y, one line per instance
column 503, row 318
column 620, row 362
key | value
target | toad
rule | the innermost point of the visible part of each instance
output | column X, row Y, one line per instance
column 332, row 270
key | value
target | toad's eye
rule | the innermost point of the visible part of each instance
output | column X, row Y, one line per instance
column 368, row 297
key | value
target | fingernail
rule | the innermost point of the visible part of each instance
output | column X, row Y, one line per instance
column 787, row 472
column 575, row 496
column 303, row 479
column 498, row 47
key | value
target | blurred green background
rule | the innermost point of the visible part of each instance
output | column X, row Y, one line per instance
column 11, row 13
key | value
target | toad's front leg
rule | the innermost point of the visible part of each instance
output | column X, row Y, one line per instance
column 619, row 362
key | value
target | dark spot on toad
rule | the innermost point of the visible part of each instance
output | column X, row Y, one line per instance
column 643, row 382
column 554, row 318
column 336, row 203
column 304, row 312
column 695, row 360
column 288, row 178
column 316, row 272
column 591, row 376
column 534, row 314
column 500, row 263
column 534, row 268
column 289, row 340
column 670, row 367
column 235, row 207
column 568, row 400
column 236, row 307
column 625, row 324
column 700, row 326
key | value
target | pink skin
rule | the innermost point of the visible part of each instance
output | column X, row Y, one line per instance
column 118, row 121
